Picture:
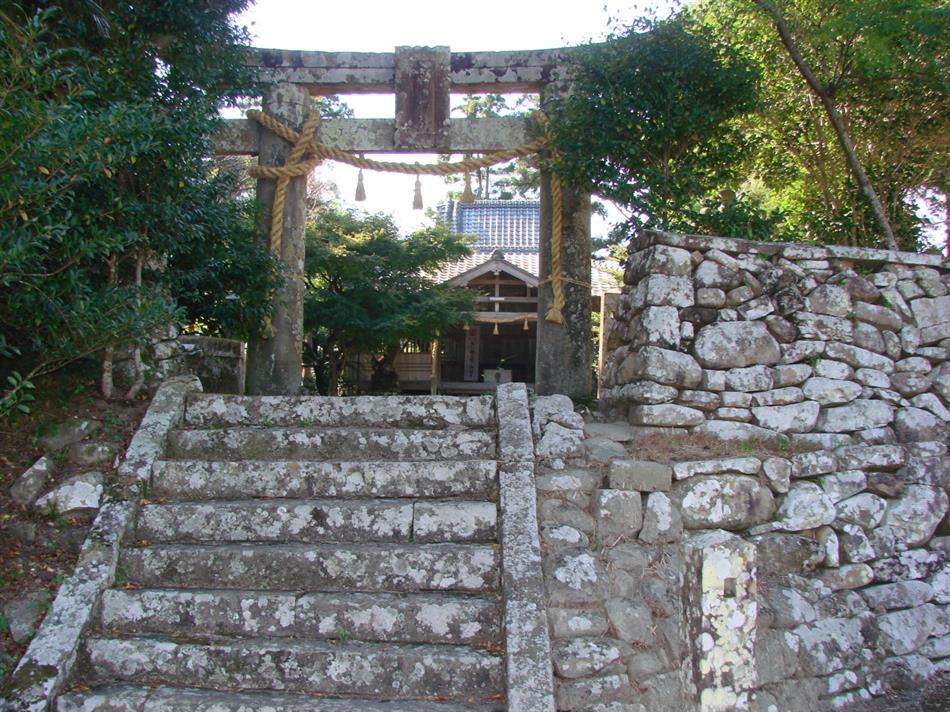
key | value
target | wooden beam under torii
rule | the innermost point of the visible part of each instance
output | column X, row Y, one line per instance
column 421, row 80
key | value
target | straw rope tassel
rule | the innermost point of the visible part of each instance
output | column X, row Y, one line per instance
column 417, row 195
column 556, row 312
column 468, row 197
column 360, row 189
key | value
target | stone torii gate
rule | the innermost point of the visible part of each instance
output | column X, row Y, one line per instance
column 422, row 79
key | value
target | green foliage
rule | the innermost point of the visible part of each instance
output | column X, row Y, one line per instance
column 367, row 288
column 885, row 64
column 106, row 116
column 652, row 124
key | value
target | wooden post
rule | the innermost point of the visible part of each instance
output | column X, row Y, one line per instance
column 274, row 362
column 564, row 351
column 608, row 309
column 434, row 375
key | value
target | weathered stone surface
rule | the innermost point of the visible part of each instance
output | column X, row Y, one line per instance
column 724, row 502
column 618, row 513
column 568, row 480
column 860, row 414
column 576, row 622
column 738, row 296
column 795, row 418
column 67, row 433
column 742, row 415
column 829, row 391
column 931, row 312
column 877, row 315
column 710, row 297
column 791, row 374
column 930, row 402
column 190, row 479
column 823, row 327
column 383, row 617
column 826, row 368
column 393, row 567
column 574, row 576
column 658, row 326
column 855, row 545
column 662, row 290
column 857, row 357
column 632, row 620
column 732, row 431
column 914, row 516
column 662, row 366
column 559, row 442
column 842, row 485
column 735, row 345
column 781, row 328
column 871, row 338
column 703, row 400
column 558, row 511
column 886, row 484
column 909, row 384
column 31, row 482
column 666, row 415
column 329, row 443
column 915, row 424
column 830, row 299
column 557, row 409
column 743, row 465
column 89, row 454
column 847, row 577
column 908, row 672
column 753, row 378
column 830, row 645
column 877, row 457
column 907, row 565
column 640, row 475
column 797, row 351
column 79, row 493
column 779, row 554
column 756, row 308
column 662, row 521
column 618, row 432
column 648, row 392
column 903, row 594
column 902, row 632
column 778, row 472
column 583, row 657
column 349, row 668
column 657, row 259
column 941, row 585
column 865, row 509
column 809, row 464
column 594, row 692
column 779, row 396
column 711, row 274
column 805, row 506
column 22, row 614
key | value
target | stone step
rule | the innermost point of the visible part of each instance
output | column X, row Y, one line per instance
column 130, row 698
column 198, row 479
column 375, row 670
column 216, row 410
column 373, row 617
column 318, row 520
column 330, row 444
column 314, row 567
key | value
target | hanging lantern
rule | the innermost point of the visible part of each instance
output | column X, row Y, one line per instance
column 468, row 197
column 417, row 198
column 360, row 190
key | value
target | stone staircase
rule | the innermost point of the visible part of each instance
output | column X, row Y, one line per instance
column 309, row 554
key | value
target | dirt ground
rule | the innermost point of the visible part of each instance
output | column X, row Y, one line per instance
column 39, row 549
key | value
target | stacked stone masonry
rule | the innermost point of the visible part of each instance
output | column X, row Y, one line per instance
column 803, row 564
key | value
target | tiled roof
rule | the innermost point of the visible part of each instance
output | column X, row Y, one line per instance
column 512, row 227
column 509, row 225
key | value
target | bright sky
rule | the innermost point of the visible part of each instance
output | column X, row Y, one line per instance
column 381, row 25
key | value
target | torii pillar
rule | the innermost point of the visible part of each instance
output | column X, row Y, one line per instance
column 565, row 351
column 274, row 359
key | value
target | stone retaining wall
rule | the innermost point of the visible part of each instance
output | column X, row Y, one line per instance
column 801, row 564
column 751, row 581
column 830, row 345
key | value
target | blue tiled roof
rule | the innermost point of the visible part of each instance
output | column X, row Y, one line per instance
column 507, row 225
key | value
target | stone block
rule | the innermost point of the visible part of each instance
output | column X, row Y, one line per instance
column 661, row 366
column 666, row 415
column 902, row 632
column 823, row 327
column 662, row 290
column 860, row 414
column 31, row 482
column 879, row 316
column 711, row 274
column 735, row 345
column 830, row 299
column 857, row 357
column 806, row 506
column 796, row 418
column 749, row 379
column 779, row 396
column 842, row 485
column 723, row 502
column 847, row 577
column 662, row 522
column 618, row 513
column 742, row 465
column 576, row 622
column 640, row 475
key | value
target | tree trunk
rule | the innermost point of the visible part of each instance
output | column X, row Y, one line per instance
column 836, row 120
column 137, row 350
column 106, row 385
